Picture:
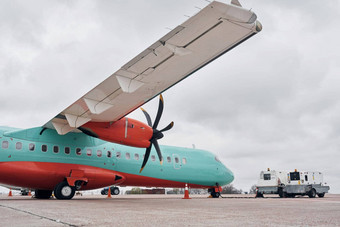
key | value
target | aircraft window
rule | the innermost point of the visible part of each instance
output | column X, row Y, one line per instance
column 137, row 156
column 55, row 149
column 168, row 159
column 78, row 151
column 153, row 158
column 5, row 144
column 89, row 152
column 176, row 159
column 43, row 148
column 127, row 155
column 67, row 150
column 108, row 154
column 184, row 161
column 217, row 159
column 31, row 146
column 118, row 154
column 18, row 145
column 99, row 153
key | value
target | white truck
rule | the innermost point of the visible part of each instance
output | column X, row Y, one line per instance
column 290, row 184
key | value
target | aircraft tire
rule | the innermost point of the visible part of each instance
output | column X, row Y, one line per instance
column 115, row 191
column 42, row 194
column 215, row 194
column 64, row 191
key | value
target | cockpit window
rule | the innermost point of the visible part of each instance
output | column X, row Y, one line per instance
column 217, row 159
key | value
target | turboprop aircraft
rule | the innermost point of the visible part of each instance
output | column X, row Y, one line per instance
column 92, row 144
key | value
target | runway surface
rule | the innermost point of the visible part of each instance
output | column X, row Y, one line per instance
column 170, row 210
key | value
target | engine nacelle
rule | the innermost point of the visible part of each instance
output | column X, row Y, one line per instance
column 125, row 131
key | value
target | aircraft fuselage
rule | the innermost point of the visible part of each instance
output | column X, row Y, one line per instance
column 31, row 159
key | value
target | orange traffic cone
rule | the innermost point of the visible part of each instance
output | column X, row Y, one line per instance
column 109, row 193
column 29, row 193
column 10, row 192
column 186, row 192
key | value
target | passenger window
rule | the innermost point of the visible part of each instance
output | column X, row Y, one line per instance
column 176, row 160
column 31, row 146
column 168, row 159
column 89, row 152
column 108, row 154
column 43, row 148
column 5, row 144
column 67, row 150
column 153, row 158
column 184, row 161
column 18, row 146
column 118, row 154
column 137, row 156
column 99, row 153
column 127, row 155
column 55, row 149
column 78, row 151
column 306, row 177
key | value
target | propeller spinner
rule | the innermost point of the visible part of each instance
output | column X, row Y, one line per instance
column 157, row 134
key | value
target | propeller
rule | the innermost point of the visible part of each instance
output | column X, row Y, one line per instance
column 157, row 134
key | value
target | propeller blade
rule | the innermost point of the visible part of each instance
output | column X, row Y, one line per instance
column 159, row 112
column 168, row 127
column 146, row 158
column 148, row 118
column 155, row 143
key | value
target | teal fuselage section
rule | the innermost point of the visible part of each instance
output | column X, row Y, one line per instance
column 192, row 166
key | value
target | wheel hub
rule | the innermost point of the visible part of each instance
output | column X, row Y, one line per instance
column 66, row 191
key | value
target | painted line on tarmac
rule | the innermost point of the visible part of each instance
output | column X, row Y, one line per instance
column 37, row 215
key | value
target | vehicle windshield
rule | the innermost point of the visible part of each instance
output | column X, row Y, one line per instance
column 294, row 176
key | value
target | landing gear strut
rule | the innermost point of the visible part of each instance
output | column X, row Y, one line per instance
column 64, row 191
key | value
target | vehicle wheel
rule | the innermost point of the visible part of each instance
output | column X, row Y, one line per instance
column 115, row 191
column 259, row 195
column 64, row 191
column 312, row 193
column 280, row 193
column 42, row 194
column 321, row 195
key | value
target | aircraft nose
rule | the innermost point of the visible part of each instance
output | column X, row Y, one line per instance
column 227, row 176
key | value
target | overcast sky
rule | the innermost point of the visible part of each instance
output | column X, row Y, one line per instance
column 271, row 102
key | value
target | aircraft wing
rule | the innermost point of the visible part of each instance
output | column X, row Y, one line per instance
column 213, row 31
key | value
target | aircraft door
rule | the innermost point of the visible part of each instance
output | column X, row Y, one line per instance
column 176, row 161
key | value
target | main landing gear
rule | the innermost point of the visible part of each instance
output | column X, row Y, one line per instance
column 64, row 191
column 43, row 194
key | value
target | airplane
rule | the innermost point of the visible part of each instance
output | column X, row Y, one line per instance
column 92, row 144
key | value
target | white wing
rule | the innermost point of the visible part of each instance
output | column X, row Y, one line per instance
column 204, row 37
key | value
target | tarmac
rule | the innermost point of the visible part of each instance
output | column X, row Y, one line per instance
column 170, row 210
